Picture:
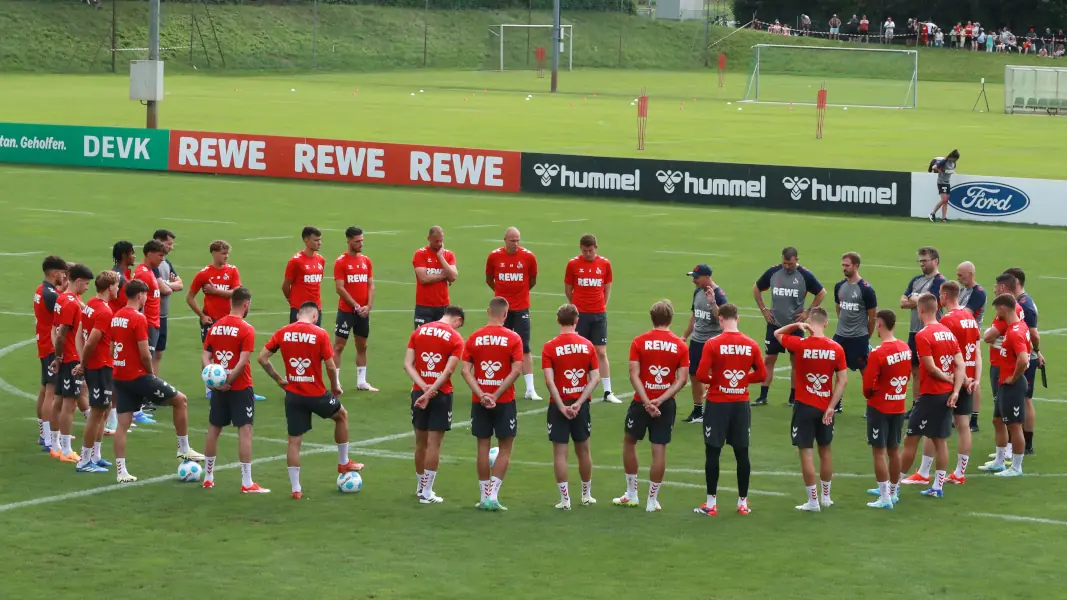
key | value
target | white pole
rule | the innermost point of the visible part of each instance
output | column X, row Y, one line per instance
column 501, row 48
column 570, row 50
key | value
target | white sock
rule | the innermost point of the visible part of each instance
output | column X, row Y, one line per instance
column 564, row 492
column 209, row 468
column 587, row 489
column 606, row 382
column 883, row 491
column 924, row 468
column 894, row 489
column 85, row 413
column 112, row 419
column 120, row 464
column 903, row 476
column 361, row 375
column 427, row 487
column 64, row 444
column 342, row 453
column 483, row 488
column 87, row 455
column 741, row 501
column 494, row 487
column 55, row 440
column 46, row 432
column 653, row 492
column 1002, row 454
column 826, row 489
column 40, row 428
column 1017, row 462
column 246, row 474
column 939, row 480
column 528, row 378
column 418, row 484
column 183, row 443
column 96, row 452
column 813, row 493
column 631, row 486
column 711, row 501
column 294, row 478
column 961, row 465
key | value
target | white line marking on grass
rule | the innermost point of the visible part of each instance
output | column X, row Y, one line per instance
column 1018, row 518
column 1053, row 400
column 525, row 243
column 474, row 226
column 1052, row 277
column 536, row 294
column 15, row 314
column 56, row 210
column 391, row 232
column 890, row 267
column 200, row 221
column 652, row 215
column 273, row 237
column 569, row 220
column 15, row 254
column 376, row 280
column 250, row 315
column 4, row 385
column 1054, row 332
column 688, row 253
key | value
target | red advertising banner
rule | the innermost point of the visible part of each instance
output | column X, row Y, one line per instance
column 338, row 160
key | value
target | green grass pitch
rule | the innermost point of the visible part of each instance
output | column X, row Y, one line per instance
column 172, row 540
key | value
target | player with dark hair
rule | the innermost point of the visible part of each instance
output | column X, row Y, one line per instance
column 153, row 253
column 44, row 314
column 125, row 258
column 857, row 305
column 434, row 351
column 703, row 325
column 305, row 350
column 353, row 280
column 962, row 324
column 96, row 363
column 168, row 282
column 885, row 385
column 929, row 280
column 67, row 341
column 587, row 285
column 511, row 272
column 435, row 271
column 730, row 362
column 303, row 275
column 1010, row 413
column 994, row 336
column 1037, row 359
column 945, row 167
column 492, row 361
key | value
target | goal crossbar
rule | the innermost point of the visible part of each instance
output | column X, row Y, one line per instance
column 566, row 32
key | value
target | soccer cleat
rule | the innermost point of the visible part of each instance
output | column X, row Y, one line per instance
column 874, row 492
column 974, row 427
column 992, row 467
column 625, row 500
column 1010, row 472
column 191, row 455
column 258, row 398
column 933, row 219
column 142, row 418
column 89, row 467
column 743, row 509
column 350, row 467
column 125, row 478
column 109, row 432
column 653, row 506
column 208, row 484
column 697, row 416
column 253, row 489
column 366, row 387
column 532, row 395
column 956, row 480
column 148, row 408
column 493, row 505
column 46, row 449
column 707, row 511
column 879, row 503
column 435, row 499
column 790, row 403
column 297, row 495
column 915, row 479
column 944, row 219
column 1027, row 452
column 840, row 409
column 993, row 455
column 611, row 399
column 809, row 507
column 102, row 464
column 761, row 401
column 70, row 457
column 825, row 502
column 588, row 500
column 932, row 493
column 53, row 453
column 564, row 505
column 40, row 441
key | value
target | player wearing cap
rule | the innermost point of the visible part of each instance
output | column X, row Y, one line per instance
column 303, row 275
column 511, row 272
column 856, row 305
column 435, row 272
column 885, row 385
column 587, row 285
column 703, row 325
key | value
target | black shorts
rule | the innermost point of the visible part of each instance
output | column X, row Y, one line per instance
column 47, row 376
column 914, row 350
column 67, row 384
column 351, row 323
column 427, row 314
column 943, row 188
column 562, row 430
column 153, row 338
column 1011, row 402
column 203, row 331
column 883, row 430
column 994, row 381
column 856, row 351
column 292, row 316
column 437, row 416
column 298, row 410
column 727, row 423
column 519, row 322
column 807, row 429
column 964, row 404
column 233, row 407
column 502, row 421
column 1030, row 374
column 161, row 338
column 131, row 395
column 101, row 384
column 771, row 344
column 659, row 428
column 931, row 417
column 696, row 349
column 593, row 327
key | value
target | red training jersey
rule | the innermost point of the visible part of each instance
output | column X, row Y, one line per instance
column 1016, row 342
column 512, row 276
column 588, row 277
column 817, row 359
column 356, row 272
column 68, row 312
column 434, row 294
column 434, row 343
column 304, row 347
column 44, row 315
column 492, row 351
column 885, row 382
column 963, row 325
column 730, row 363
column 119, row 301
column 659, row 354
column 936, row 341
column 128, row 328
column 572, row 358
column 226, row 339
column 226, row 278
column 97, row 316
column 995, row 358
column 305, row 274
column 144, row 273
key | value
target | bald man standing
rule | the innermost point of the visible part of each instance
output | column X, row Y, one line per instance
column 435, row 272
column 511, row 272
column 973, row 299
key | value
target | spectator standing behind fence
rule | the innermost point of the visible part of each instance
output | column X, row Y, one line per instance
column 968, row 36
column 981, row 39
column 954, row 37
column 939, row 38
column 852, row 28
column 805, row 25
column 888, row 28
column 990, row 40
column 835, row 28
column 865, row 26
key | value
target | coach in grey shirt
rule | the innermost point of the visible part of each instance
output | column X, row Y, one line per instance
column 857, row 306
column 169, row 282
column 929, row 281
column 703, row 325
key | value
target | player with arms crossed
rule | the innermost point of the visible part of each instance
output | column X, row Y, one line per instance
column 945, row 167
column 44, row 314
column 818, row 361
column 135, row 383
column 305, row 350
column 885, row 385
column 730, row 362
column 703, row 325
column 587, row 285
column 511, row 272
column 1011, row 406
column 962, row 324
column 1037, row 359
column 303, row 275
column 68, row 345
column 659, row 368
column 570, row 364
column 941, row 377
column 789, row 284
column 972, row 299
column 856, row 305
column 169, row 282
column 229, row 343
column 97, row 362
column 492, row 361
column 353, row 279
column 435, row 272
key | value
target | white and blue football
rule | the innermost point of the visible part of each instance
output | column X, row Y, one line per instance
column 190, row 472
column 214, row 376
column 493, row 452
column 349, row 483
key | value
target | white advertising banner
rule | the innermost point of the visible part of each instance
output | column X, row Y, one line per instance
column 991, row 199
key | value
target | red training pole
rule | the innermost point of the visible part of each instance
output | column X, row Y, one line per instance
column 820, row 110
column 722, row 69
column 642, row 118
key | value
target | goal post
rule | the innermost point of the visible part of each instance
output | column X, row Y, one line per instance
column 862, row 77
column 1029, row 89
column 513, row 45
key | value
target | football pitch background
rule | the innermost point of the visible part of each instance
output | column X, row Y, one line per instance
column 79, row 533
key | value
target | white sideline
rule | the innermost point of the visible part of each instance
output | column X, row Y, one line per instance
column 56, row 210
column 570, row 220
column 1019, row 518
column 19, row 253
column 199, row 221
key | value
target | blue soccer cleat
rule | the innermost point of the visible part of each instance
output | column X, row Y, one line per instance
column 143, row 419
column 932, row 493
column 103, row 463
column 258, row 398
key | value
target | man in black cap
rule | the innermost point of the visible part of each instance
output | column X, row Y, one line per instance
column 703, row 325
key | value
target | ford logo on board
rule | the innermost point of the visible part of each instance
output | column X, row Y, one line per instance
column 988, row 199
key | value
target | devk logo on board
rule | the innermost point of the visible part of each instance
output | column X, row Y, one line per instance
column 988, row 199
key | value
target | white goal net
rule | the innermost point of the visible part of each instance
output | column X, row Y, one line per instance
column 1035, row 89
column 513, row 47
column 874, row 78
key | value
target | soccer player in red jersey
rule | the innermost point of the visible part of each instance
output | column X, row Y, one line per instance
column 125, row 258
column 229, row 343
column 819, row 360
column 1009, row 412
column 44, row 314
column 492, row 361
column 153, row 252
column 885, row 386
column 305, row 349
column 434, row 351
column 135, row 383
column 218, row 281
column 730, row 362
column 587, row 285
column 659, row 369
column 511, row 272
column 353, row 278
column 994, row 336
column 941, row 376
column 303, row 275
column 96, row 364
column 435, row 272
column 169, row 282
column 962, row 324
column 569, row 362
column 67, row 341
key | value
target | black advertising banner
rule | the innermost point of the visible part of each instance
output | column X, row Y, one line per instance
column 752, row 186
